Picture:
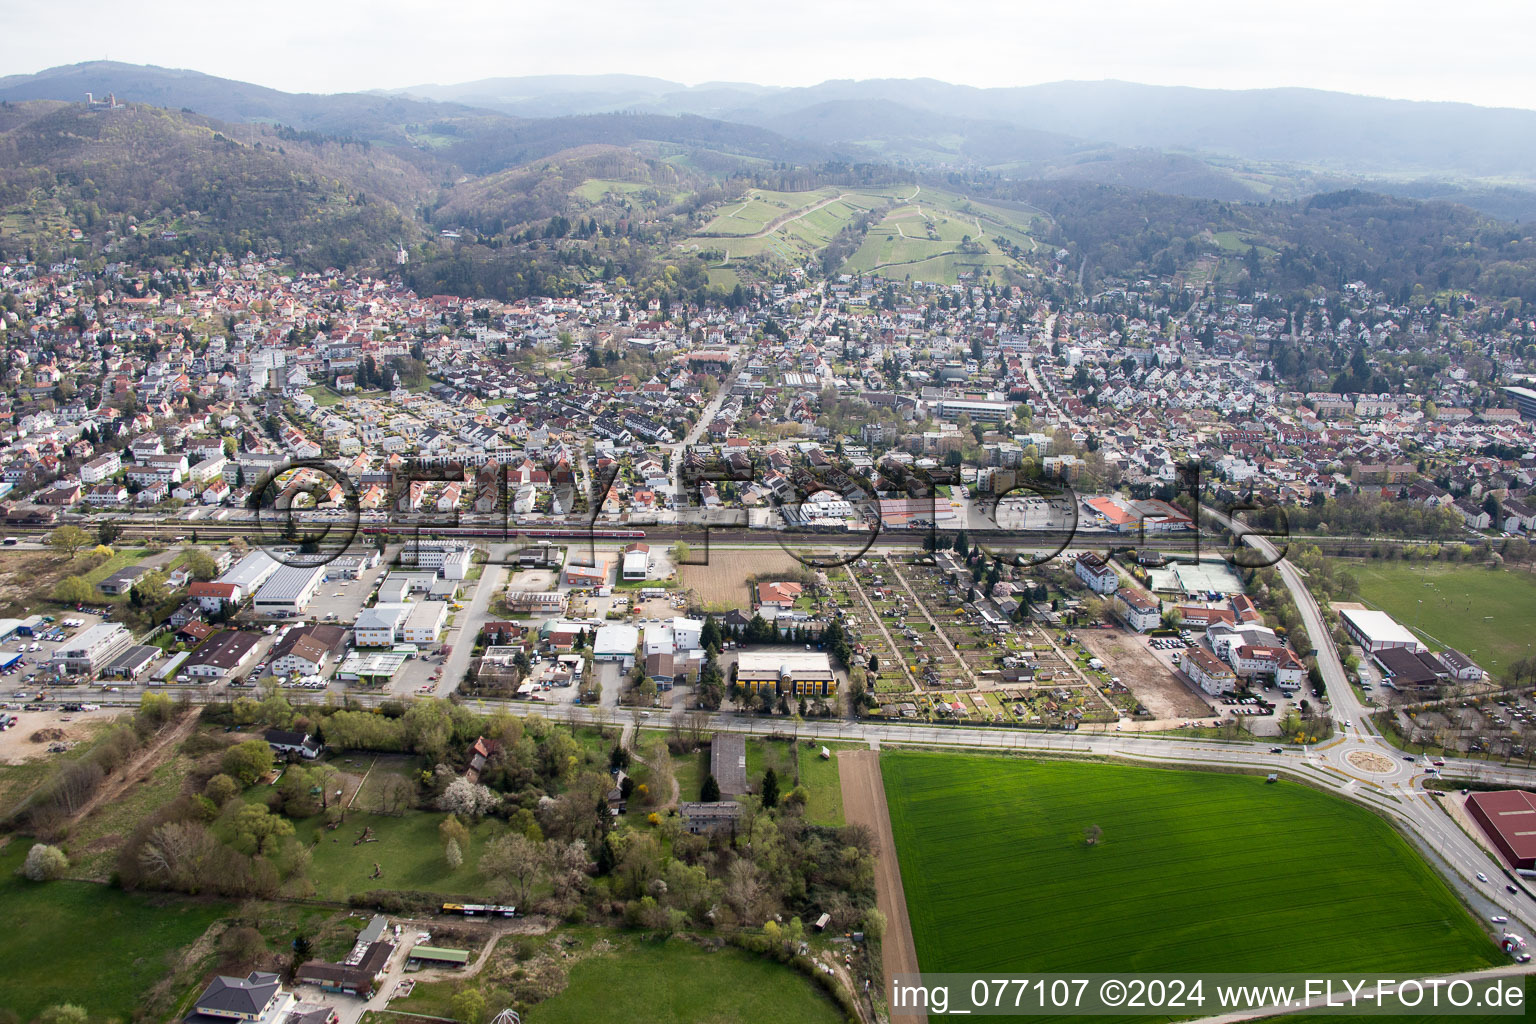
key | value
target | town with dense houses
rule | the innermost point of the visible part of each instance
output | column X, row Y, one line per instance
column 620, row 554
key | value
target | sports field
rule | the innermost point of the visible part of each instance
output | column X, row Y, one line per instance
column 1192, row 871
column 1484, row 613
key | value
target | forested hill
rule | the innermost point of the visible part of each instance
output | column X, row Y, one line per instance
column 141, row 180
column 1326, row 240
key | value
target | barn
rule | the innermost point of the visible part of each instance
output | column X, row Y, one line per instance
column 1509, row 819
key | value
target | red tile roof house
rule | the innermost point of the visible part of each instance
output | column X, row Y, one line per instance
column 212, row 596
column 777, row 596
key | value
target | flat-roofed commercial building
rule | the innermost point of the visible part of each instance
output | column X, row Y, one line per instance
column 93, row 648
column 1376, row 631
column 288, row 593
column 791, row 673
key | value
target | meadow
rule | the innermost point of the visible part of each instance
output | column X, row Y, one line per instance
column 1192, row 871
column 97, row 947
column 676, row 982
column 1484, row 613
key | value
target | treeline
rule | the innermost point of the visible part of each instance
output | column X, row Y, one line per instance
column 1362, row 514
column 1390, row 243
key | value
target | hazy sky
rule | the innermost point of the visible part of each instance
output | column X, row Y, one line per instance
column 1478, row 51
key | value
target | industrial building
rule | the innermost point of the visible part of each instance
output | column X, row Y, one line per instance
column 728, row 762
column 1508, row 817
column 289, row 590
column 424, row 622
column 133, row 662
column 616, row 643
column 222, row 655
column 1376, row 631
column 380, row 625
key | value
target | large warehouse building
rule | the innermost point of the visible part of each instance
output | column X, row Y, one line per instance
column 1376, row 631
column 1509, row 819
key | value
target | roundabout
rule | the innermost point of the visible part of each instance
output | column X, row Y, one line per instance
column 1371, row 761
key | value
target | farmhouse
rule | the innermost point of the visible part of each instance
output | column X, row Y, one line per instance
column 728, row 762
column 352, row 980
column 298, row 743
column 1508, row 817
column 258, row 997
column 711, row 816
column 1376, row 631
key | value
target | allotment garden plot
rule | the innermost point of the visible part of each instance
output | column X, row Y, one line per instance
column 960, row 662
column 1186, row 871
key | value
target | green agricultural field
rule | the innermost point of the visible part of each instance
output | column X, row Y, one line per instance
column 676, row 982
column 75, row 942
column 1192, row 871
column 1484, row 613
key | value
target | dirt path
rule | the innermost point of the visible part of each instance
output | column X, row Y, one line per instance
column 874, row 616
column 134, row 772
column 864, row 804
column 938, row 631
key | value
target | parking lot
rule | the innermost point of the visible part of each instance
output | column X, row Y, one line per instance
column 34, row 671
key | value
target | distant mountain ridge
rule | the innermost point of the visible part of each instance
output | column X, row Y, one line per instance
column 1235, row 145
column 1357, row 134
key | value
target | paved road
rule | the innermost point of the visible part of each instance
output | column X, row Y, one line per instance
column 472, row 616
column 1410, row 806
column 693, row 435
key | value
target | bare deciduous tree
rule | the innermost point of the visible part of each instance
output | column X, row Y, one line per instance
column 513, row 864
